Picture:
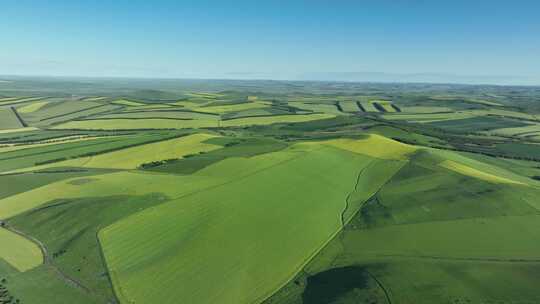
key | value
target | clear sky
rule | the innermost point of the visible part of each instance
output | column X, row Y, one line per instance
column 309, row 39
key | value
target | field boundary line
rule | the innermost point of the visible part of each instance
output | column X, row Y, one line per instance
column 21, row 121
column 386, row 293
column 47, row 261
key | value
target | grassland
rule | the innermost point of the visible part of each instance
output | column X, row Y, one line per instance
column 431, row 117
column 130, row 124
column 232, row 108
column 132, row 158
column 32, row 107
column 125, row 102
column 183, row 226
column 349, row 106
column 462, row 169
column 296, row 193
column 368, row 106
column 317, row 107
column 415, row 229
column 8, row 119
column 40, row 155
column 273, row 119
column 18, row 251
column 375, row 146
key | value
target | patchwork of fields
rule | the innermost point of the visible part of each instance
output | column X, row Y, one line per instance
column 300, row 195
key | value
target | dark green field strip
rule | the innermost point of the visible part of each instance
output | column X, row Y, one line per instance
column 23, row 124
column 68, row 229
column 474, row 124
column 379, row 107
column 233, row 147
column 360, row 106
column 8, row 120
column 338, row 106
column 520, row 150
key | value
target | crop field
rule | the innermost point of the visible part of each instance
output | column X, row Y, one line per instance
column 349, row 106
column 263, row 192
column 425, row 109
column 133, row 124
column 8, row 119
column 17, row 100
column 232, row 108
column 531, row 129
column 125, row 102
column 18, row 251
column 32, row 107
column 368, row 106
column 181, row 224
column 475, row 124
column 48, row 154
column 316, row 107
column 161, row 114
column 273, row 119
column 132, row 158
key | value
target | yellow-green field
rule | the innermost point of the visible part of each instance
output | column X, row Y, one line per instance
column 268, row 120
column 516, row 131
column 7, row 148
column 466, row 170
column 221, row 235
column 19, row 252
column 32, row 107
column 126, row 102
column 368, row 106
column 16, row 100
column 429, row 117
column 18, row 130
column 131, row 158
column 316, row 107
column 129, row 124
column 375, row 146
column 232, row 108
column 425, row 109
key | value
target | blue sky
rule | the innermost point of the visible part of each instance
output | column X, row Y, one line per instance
column 272, row 39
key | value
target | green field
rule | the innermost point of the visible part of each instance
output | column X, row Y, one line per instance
column 182, row 225
column 130, row 124
column 8, row 120
column 349, row 106
column 32, row 107
column 268, row 192
column 18, row 251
